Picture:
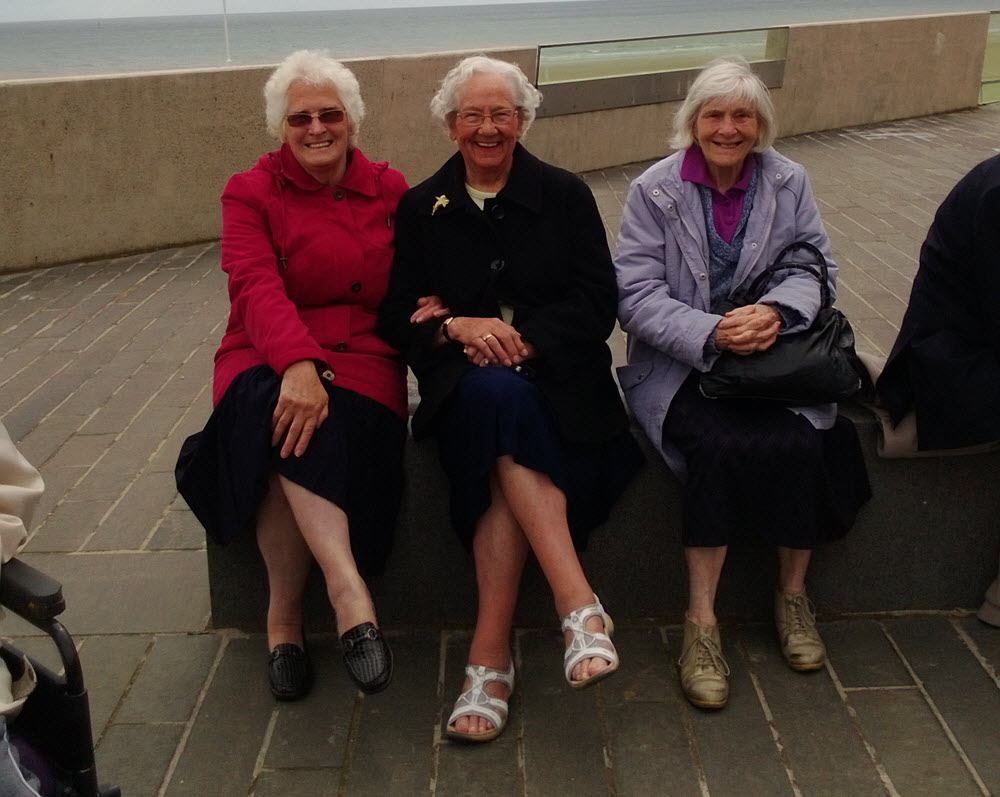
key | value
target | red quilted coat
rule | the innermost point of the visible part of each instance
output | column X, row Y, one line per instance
column 308, row 266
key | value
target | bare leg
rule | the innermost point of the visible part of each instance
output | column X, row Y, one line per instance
column 287, row 560
column 540, row 509
column 500, row 549
column 704, row 566
column 324, row 529
column 792, row 566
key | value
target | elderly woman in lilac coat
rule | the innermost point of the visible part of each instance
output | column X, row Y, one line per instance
column 697, row 226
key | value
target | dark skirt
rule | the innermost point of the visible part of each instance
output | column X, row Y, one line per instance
column 755, row 468
column 353, row 460
column 494, row 412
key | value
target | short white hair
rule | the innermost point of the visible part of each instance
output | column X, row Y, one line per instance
column 316, row 68
column 523, row 94
column 728, row 79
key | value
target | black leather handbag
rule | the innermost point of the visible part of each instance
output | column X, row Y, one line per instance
column 815, row 366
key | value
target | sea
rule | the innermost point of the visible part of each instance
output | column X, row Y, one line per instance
column 113, row 46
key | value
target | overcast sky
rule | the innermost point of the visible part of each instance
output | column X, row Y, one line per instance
column 28, row 10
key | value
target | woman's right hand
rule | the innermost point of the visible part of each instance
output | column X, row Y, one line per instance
column 302, row 407
column 488, row 340
column 748, row 329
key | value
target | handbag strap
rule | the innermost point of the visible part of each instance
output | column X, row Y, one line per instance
column 817, row 267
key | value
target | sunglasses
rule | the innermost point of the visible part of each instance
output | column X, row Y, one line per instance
column 328, row 116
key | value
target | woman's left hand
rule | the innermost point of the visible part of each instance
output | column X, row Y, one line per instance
column 429, row 307
column 748, row 329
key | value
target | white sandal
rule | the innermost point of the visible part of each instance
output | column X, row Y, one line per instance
column 475, row 702
column 589, row 644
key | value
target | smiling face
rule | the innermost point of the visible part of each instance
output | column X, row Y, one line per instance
column 487, row 148
column 726, row 130
column 320, row 148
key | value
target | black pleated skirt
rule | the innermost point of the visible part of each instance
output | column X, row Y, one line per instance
column 354, row 460
column 494, row 412
column 757, row 469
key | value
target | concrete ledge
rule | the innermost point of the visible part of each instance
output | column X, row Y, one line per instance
column 927, row 540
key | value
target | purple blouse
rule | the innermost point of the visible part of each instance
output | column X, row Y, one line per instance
column 727, row 207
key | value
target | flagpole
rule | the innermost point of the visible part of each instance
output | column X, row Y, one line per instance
column 225, row 26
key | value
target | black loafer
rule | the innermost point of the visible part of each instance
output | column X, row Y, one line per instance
column 289, row 672
column 367, row 657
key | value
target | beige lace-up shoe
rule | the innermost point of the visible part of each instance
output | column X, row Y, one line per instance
column 795, row 618
column 704, row 671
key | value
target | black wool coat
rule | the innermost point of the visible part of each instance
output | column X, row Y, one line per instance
column 945, row 364
column 539, row 247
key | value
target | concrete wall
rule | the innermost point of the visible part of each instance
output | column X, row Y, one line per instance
column 93, row 167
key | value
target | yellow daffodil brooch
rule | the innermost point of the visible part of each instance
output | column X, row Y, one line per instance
column 439, row 202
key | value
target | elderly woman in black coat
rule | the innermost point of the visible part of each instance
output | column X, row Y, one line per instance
column 502, row 297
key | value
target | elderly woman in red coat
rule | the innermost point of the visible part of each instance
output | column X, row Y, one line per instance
column 305, row 442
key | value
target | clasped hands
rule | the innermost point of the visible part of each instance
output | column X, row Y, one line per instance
column 748, row 329
column 485, row 341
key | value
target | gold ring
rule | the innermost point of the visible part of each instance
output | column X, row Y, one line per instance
column 487, row 336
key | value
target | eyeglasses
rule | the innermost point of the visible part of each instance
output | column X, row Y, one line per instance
column 328, row 116
column 500, row 117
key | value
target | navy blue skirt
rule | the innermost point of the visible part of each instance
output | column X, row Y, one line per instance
column 494, row 412
column 755, row 468
column 353, row 460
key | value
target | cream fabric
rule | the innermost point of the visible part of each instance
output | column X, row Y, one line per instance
column 20, row 489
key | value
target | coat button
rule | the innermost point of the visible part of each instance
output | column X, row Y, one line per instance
column 703, row 276
column 338, row 194
column 328, row 375
column 753, row 245
column 656, row 192
column 340, row 347
column 777, row 176
column 355, row 287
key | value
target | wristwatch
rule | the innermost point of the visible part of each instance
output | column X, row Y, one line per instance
column 444, row 329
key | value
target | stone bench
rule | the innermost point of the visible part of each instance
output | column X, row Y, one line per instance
column 927, row 540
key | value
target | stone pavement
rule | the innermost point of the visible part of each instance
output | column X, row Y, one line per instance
column 106, row 368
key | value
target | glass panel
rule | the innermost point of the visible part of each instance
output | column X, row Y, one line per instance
column 990, row 90
column 567, row 63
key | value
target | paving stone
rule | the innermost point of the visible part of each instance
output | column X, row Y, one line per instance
column 564, row 741
column 313, row 733
column 394, row 747
column 229, row 730
column 483, row 769
column 734, row 745
column 170, row 679
column 861, row 655
column 135, row 757
column 68, row 526
column 58, row 482
column 180, row 530
column 966, row 696
column 81, row 449
column 823, row 751
column 113, row 661
column 44, row 439
column 104, row 482
column 649, row 744
column 986, row 638
column 136, row 515
column 916, row 754
column 312, row 782
column 130, row 593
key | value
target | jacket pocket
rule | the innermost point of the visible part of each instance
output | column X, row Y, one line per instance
column 633, row 374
